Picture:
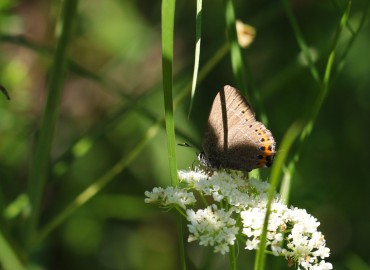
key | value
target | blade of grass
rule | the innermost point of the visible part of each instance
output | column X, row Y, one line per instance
column 286, row 144
column 39, row 164
column 198, row 34
column 8, row 258
column 168, row 18
column 235, row 50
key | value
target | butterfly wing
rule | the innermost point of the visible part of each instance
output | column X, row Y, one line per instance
column 233, row 137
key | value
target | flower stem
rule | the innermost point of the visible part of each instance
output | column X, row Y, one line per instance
column 232, row 258
column 180, row 234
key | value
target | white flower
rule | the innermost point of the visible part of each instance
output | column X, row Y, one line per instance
column 323, row 266
column 252, row 244
column 260, row 186
column 170, row 196
column 191, row 177
column 212, row 227
column 153, row 197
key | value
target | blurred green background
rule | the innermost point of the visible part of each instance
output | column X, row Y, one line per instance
column 120, row 42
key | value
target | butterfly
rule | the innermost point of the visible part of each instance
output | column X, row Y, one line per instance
column 233, row 138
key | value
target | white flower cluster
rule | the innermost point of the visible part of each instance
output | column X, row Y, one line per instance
column 239, row 208
column 213, row 227
column 170, row 196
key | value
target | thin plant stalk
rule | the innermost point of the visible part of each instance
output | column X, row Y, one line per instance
column 232, row 258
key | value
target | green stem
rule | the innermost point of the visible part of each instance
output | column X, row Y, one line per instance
column 40, row 162
column 232, row 257
column 180, row 237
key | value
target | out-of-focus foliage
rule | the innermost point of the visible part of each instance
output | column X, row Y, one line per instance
column 99, row 122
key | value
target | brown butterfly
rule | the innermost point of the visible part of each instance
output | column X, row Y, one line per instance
column 233, row 139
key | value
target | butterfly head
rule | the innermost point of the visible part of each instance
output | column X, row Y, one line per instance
column 204, row 161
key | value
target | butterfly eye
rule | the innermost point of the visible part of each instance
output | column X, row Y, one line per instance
column 262, row 148
column 270, row 148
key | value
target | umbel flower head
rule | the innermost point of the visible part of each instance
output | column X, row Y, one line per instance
column 237, row 209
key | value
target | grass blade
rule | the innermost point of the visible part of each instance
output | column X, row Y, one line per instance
column 198, row 33
column 168, row 16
